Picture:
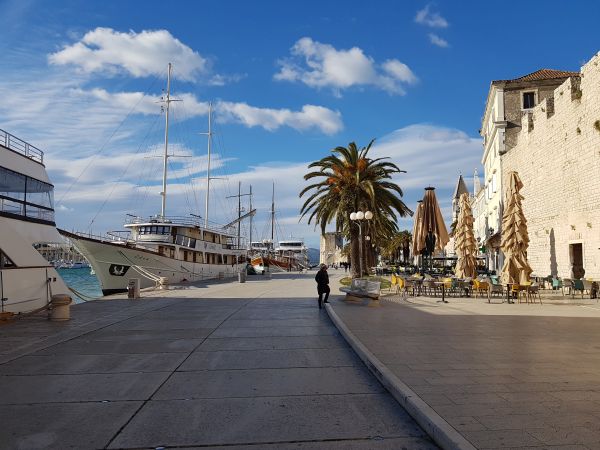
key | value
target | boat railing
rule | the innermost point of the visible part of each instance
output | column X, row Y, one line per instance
column 110, row 236
column 20, row 146
column 178, row 220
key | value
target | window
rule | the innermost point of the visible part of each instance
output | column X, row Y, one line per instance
column 25, row 196
column 528, row 100
column 5, row 261
column 494, row 185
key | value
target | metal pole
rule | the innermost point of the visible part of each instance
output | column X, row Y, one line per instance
column 250, row 209
column 166, row 155
column 208, row 167
column 239, row 213
column 360, row 250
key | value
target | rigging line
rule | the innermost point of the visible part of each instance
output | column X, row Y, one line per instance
column 105, row 144
column 135, row 198
column 190, row 166
column 114, row 185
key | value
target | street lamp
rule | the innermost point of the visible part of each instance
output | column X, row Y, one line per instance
column 357, row 217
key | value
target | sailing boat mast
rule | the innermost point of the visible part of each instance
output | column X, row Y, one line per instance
column 209, row 134
column 273, row 216
column 167, row 101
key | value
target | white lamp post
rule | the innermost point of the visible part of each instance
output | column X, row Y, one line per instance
column 357, row 217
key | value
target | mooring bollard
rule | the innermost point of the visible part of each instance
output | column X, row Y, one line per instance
column 60, row 307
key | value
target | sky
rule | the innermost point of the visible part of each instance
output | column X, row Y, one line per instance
column 288, row 82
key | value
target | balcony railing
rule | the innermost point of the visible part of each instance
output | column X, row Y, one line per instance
column 17, row 145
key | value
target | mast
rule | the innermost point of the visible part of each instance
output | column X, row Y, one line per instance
column 250, row 209
column 209, row 134
column 273, row 216
column 166, row 155
column 239, row 196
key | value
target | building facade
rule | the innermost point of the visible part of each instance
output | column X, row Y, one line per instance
column 556, row 152
column 508, row 110
column 331, row 248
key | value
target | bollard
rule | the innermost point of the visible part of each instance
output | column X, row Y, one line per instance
column 133, row 288
column 242, row 276
column 60, row 307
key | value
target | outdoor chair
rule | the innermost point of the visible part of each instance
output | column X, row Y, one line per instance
column 532, row 291
column 429, row 287
column 393, row 284
column 567, row 284
column 519, row 291
column 480, row 287
column 465, row 287
column 409, row 285
column 556, row 284
column 494, row 288
column 577, row 286
column 587, row 286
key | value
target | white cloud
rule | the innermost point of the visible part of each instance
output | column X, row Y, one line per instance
column 138, row 54
column 427, row 18
column 311, row 116
column 323, row 66
column 436, row 40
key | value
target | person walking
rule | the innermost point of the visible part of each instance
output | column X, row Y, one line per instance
column 322, row 279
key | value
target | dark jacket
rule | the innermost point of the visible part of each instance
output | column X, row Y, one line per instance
column 322, row 278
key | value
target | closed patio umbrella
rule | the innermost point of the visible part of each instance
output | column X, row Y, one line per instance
column 464, row 240
column 515, row 238
column 415, row 250
column 432, row 234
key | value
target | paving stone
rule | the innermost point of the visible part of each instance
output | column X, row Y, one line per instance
column 272, row 343
column 270, row 359
column 83, row 347
column 74, row 363
column 275, row 331
column 21, row 389
column 268, row 382
column 256, row 420
column 63, row 425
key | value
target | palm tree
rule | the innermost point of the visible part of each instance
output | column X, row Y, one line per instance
column 346, row 181
column 397, row 245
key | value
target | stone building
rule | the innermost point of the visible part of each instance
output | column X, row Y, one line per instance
column 331, row 249
column 509, row 104
column 556, row 152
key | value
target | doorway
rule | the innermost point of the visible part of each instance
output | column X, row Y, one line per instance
column 576, row 256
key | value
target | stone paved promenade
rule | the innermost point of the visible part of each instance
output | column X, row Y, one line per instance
column 252, row 365
column 505, row 376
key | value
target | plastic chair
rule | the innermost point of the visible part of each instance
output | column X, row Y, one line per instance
column 532, row 291
column 577, row 286
column 556, row 284
column 567, row 283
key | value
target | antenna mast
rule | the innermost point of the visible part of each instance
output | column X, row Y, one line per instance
column 209, row 134
column 167, row 101
column 273, row 216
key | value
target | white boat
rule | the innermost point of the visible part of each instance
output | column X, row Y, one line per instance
column 27, row 280
column 294, row 252
column 290, row 254
column 161, row 249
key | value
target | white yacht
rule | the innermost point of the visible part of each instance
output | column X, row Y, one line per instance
column 294, row 252
column 27, row 280
column 162, row 250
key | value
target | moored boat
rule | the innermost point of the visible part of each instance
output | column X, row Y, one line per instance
column 27, row 280
column 161, row 249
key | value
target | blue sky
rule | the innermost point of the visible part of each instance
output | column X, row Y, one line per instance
column 289, row 81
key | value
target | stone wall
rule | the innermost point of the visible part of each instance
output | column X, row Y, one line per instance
column 557, row 156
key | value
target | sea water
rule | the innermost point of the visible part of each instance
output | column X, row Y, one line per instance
column 82, row 281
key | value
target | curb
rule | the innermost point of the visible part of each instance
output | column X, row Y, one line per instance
column 442, row 433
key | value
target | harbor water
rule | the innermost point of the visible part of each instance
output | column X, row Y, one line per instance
column 82, row 281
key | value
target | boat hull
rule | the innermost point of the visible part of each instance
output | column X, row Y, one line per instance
column 115, row 264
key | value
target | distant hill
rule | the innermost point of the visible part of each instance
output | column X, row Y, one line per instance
column 314, row 255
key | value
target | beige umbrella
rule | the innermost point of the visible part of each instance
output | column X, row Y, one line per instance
column 464, row 240
column 416, row 228
column 515, row 239
column 431, row 220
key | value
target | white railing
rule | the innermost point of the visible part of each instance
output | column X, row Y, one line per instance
column 18, row 145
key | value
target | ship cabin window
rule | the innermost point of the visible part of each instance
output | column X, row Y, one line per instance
column 154, row 229
column 5, row 261
column 528, row 100
column 26, row 196
column 185, row 241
